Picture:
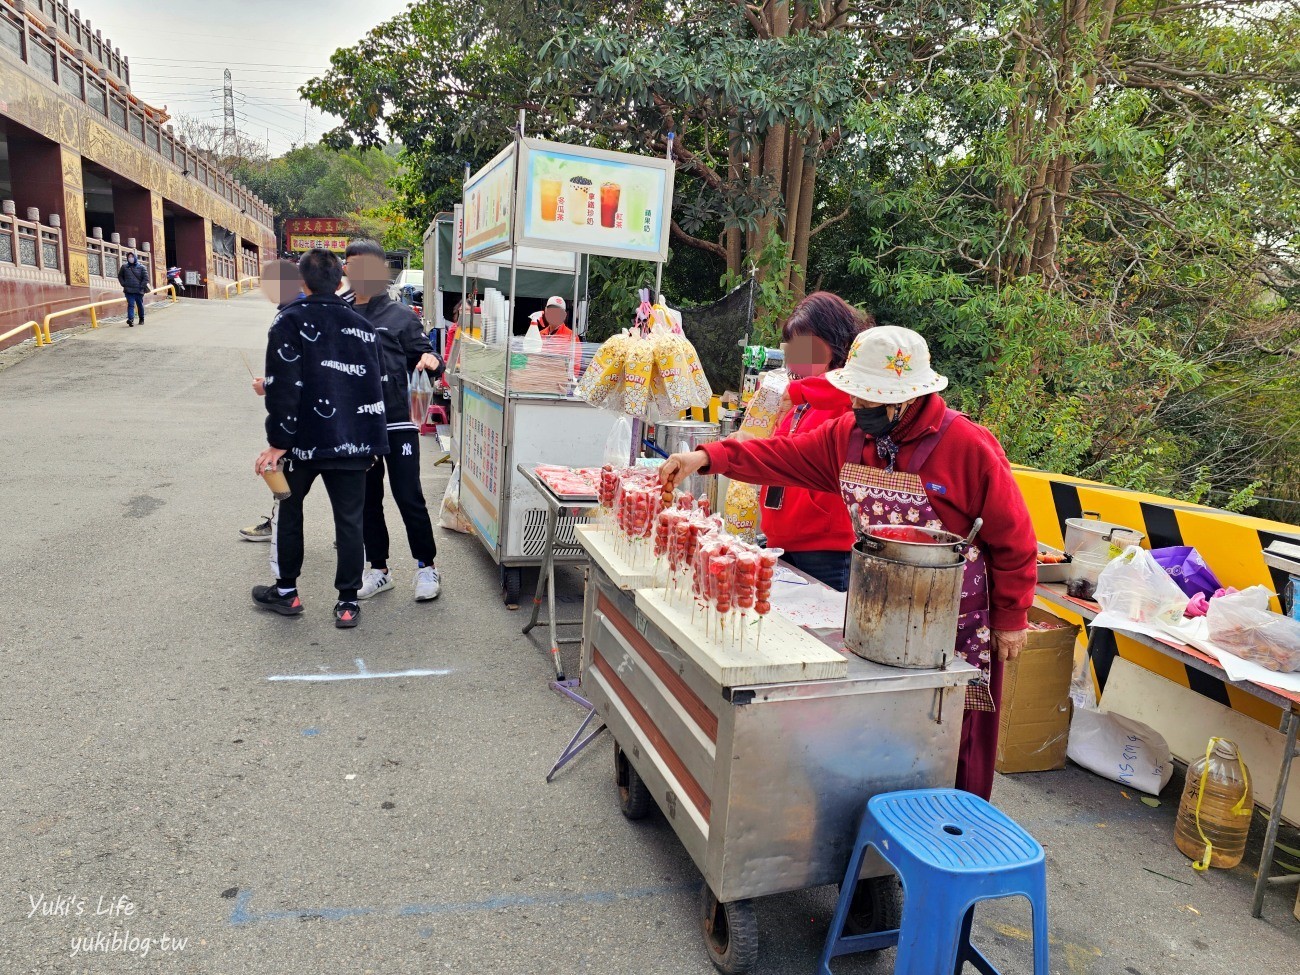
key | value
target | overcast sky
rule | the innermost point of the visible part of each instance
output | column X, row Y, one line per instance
column 179, row 49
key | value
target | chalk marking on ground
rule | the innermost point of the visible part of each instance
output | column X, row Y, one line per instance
column 361, row 674
column 241, row 915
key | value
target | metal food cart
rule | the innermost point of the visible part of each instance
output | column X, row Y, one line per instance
column 564, row 202
column 763, row 782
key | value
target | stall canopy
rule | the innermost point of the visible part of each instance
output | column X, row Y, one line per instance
column 530, row 283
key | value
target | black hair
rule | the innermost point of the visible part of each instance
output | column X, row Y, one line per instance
column 321, row 271
column 365, row 246
column 830, row 318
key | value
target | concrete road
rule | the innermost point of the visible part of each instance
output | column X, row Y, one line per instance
column 155, row 772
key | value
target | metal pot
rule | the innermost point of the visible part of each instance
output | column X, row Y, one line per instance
column 940, row 548
column 1091, row 534
column 681, row 436
column 903, row 615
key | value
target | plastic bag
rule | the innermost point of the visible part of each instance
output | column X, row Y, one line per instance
column 1134, row 586
column 421, row 393
column 618, row 445
column 764, row 410
column 1188, row 570
column 637, row 367
column 740, row 510
column 1243, row 625
column 602, row 383
column 451, row 516
column 1120, row 749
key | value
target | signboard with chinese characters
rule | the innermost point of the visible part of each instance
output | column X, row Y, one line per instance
column 592, row 201
column 307, row 233
column 489, row 206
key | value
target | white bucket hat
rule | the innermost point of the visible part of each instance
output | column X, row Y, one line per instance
column 888, row 364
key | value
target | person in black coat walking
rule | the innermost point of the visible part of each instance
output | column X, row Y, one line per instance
column 324, row 418
column 134, row 280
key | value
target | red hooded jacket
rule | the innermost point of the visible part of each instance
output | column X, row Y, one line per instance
column 809, row 521
column 966, row 477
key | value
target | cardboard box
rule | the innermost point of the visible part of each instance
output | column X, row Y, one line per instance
column 1035, row 720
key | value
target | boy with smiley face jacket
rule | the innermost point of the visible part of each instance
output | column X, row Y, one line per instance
column 325, row 417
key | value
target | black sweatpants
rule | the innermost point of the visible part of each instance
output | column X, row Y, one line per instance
column 403, row 466
column 347, row 490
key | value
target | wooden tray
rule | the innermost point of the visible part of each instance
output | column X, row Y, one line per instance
column 787, row 654
column 603, row 548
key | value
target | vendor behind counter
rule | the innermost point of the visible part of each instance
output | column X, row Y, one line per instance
column 903, row 457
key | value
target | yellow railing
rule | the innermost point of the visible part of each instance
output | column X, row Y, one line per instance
column 239, row 285
column 34, row 326
column 94, row 307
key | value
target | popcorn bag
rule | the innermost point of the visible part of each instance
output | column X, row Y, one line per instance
column 637, row 367
column 764, row 410
column 740, row 511
column 604, row 377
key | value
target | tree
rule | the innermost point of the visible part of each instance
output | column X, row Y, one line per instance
column 210, row 139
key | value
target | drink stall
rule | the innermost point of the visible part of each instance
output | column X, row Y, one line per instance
column 538, row 207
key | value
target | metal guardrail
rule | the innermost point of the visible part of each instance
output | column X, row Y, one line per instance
column 93, row 308
column 34, row 326
column 252, row 283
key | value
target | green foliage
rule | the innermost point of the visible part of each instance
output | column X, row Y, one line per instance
column 1091, row 209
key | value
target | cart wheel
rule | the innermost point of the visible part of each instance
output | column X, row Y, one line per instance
column 510, row 581
column 730, row 932
column 877, row 905
column 633, row 796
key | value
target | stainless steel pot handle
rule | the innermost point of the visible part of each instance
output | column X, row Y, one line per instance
column 1095, row 515
column 966, row 543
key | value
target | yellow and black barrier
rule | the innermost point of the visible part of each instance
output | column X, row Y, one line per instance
column 1231, row 544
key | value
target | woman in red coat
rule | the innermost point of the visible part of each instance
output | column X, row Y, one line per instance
column 903, row 457
column 813, row 527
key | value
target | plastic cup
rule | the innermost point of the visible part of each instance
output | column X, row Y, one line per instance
column 608, row 203
column 550, row 199
column 277, row 482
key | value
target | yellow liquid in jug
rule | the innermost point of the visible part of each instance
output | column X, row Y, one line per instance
column 1225, row 784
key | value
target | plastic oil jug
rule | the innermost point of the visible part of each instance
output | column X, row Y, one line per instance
column 1214, row 814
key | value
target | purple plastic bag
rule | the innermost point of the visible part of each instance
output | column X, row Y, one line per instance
column 1188, row 570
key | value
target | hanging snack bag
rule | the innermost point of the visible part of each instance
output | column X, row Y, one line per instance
column 603, row 379
column 637, row 368
column 764, row 410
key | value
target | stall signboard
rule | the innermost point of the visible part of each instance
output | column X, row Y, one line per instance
column 591, row 201
column 489, row 206
column 308, row 233
column 480, row 482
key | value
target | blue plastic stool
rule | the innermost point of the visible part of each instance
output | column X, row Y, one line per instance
column 951, row 849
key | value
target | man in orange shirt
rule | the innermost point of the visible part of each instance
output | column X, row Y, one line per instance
column 551, row 319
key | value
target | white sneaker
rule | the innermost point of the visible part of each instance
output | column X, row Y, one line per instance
column 374, row 581
column 427, row 584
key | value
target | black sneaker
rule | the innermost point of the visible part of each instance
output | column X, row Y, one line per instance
column 130, row 324
column 346, row 615
column 268, row 597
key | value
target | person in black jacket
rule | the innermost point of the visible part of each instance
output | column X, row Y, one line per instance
column 404, row 347
column 325, row 418
column 134, row 280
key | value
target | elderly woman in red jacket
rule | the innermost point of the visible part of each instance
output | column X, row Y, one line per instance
column 813, row 527
column 903, row 457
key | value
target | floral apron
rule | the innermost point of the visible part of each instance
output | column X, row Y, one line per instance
column 890, row 497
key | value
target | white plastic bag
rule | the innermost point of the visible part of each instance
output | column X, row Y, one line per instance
column 618, row 445
column 451, row 516
column 1136, row 587
column 1243, row 625
column 1120, row 749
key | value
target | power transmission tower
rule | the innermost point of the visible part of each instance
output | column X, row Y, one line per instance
column 228, row 107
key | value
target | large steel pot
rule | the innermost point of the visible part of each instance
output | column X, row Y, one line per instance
column 682, row 436
column 914, row 546
column 905, row 588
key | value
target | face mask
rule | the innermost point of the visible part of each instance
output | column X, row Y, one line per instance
column 874, row 420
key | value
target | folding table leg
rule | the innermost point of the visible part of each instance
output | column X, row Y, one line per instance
column 1289, row 721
